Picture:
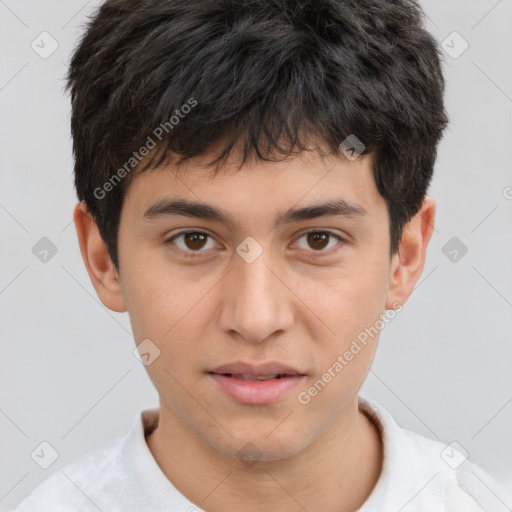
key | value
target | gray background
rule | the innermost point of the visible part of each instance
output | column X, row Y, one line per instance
column 68, row 374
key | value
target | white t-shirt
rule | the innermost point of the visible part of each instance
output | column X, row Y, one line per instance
column 418, row 475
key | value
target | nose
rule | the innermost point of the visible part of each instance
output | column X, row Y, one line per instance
column 256, row 302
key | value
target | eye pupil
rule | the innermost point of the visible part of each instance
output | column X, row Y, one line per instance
column 315, row 238
column 194, row 239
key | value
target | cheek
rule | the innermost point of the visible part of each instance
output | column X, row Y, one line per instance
column 346, row 302
column 351, row 306
column 160, row 300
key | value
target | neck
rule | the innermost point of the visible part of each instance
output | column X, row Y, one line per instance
column 335, row 473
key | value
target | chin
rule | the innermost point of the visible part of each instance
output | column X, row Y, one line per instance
column 252, row 447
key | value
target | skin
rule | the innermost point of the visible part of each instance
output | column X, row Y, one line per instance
column 285, row 306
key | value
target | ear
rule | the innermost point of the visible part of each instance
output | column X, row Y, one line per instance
column 101, row 270
column 407, row 265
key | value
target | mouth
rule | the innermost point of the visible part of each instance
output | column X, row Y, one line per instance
column 256, row 384
column 254, row 377
column 249, row 371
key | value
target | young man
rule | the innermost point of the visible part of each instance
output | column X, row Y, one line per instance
column 252, row 177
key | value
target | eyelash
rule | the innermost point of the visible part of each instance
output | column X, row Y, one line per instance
column 195, row 254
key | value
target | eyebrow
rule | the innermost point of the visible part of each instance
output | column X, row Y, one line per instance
column 195, row 209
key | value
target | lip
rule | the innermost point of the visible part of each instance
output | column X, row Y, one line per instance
column 256, row 392
column 270, row 368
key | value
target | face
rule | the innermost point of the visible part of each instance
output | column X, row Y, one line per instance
column 257, row 286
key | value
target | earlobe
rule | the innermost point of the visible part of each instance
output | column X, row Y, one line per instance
column 407, row 265
column 101, row 270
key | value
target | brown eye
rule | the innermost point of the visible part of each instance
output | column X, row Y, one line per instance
column 195, row 241
column 320, row 241
column 191, row 241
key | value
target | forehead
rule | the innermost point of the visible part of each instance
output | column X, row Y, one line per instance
column 306, row 181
